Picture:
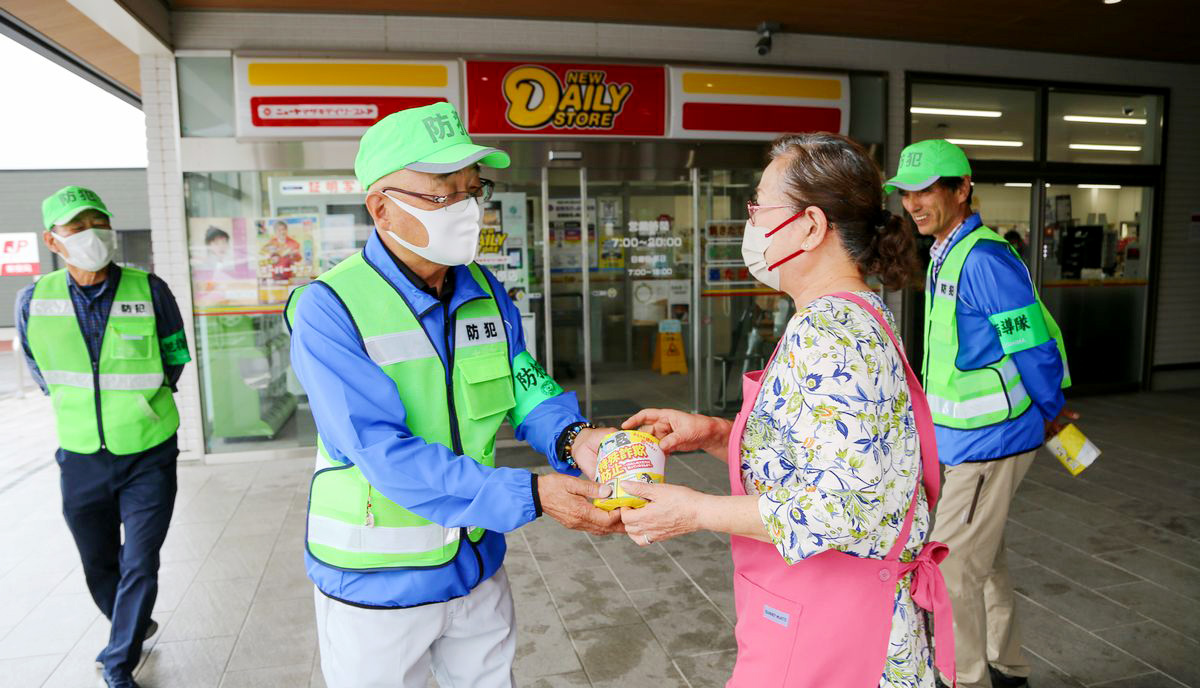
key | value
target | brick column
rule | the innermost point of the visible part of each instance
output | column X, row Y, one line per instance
column 168, row 229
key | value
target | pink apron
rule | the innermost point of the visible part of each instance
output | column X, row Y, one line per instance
column 826, row 621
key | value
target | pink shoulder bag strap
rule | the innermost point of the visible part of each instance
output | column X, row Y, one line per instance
column 928, row 586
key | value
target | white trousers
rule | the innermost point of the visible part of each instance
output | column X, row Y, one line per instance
column 468, row 641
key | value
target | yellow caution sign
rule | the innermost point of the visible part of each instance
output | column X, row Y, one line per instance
column 668, row 354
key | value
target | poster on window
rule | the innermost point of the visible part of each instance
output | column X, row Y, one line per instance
column 223, row 270
column 565, row 235
column 285, row 255
column 503, row 245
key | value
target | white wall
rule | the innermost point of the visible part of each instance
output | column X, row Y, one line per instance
column 21, row 194
column 1178, row 329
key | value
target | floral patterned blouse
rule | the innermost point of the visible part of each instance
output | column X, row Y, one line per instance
column 831, row 449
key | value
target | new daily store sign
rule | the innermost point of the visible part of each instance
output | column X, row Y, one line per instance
column 279, row 98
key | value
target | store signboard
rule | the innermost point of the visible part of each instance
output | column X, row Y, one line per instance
column 288, row 97
column 755, row 105
column 565, row 99
column 19, row 255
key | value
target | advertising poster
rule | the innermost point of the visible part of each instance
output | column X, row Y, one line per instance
column 503, row 245
column 565, row 234
column 285, row 255
column 223, row 270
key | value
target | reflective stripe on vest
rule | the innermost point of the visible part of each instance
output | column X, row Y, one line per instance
column 352, row 526
column 115, row 381
column 996, row 402
column 122, row 403
column 375, row 539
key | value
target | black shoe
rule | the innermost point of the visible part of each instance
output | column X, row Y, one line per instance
column 1002, row 680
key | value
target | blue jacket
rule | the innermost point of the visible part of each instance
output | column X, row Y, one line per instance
column 993, row 280
column 360, row 416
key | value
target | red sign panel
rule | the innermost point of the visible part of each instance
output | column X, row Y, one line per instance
column 559, row 99
column 765, row 118
column 329, row 111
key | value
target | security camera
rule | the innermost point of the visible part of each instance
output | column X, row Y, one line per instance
column 765, row 30
column 1128, row 110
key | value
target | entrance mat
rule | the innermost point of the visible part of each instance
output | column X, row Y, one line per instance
column 615, row 408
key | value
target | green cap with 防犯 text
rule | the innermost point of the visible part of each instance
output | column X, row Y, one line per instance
column 925, row 162
column 430, row 138
column 63, row 205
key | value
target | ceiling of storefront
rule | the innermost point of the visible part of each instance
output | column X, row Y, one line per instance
column 1144, row 29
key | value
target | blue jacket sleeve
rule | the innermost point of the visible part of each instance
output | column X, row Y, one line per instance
column 543, row 425
column 359, row 414
column 995, row 281
column 21, row 318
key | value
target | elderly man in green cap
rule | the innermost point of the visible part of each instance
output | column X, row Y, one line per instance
column 412, row 356
column 994, row 371
column 107, row 344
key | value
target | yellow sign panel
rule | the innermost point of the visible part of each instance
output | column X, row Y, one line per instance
column 348, row 74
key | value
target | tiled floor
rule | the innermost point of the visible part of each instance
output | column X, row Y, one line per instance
column 1107, row 566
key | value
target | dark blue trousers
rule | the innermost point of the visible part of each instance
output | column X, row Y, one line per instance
column 101, row 492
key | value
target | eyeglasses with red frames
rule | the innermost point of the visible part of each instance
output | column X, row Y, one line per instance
column 482, row 194
column 752, row 207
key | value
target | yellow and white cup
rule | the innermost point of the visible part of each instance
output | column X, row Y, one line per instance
column 628, row 455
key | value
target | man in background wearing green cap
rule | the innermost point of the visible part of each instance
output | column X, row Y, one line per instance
column 412, row 356
column 107, row 344
column 994, row 371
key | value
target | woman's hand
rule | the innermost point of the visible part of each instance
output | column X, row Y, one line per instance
column 672, row 510
column 681, row 432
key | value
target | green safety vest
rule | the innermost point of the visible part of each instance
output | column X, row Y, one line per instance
column 121, row 403
column 353, row 526
column 969, row 399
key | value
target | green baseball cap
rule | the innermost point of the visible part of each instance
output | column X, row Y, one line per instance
column 430, row 138
column 63, row 205
column 924, row 162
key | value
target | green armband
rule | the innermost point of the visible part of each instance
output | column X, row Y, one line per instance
column 174, row 349
column 531, row 386
column 1021, row 328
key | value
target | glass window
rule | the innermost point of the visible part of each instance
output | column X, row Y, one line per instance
column 1005, row 207
column 989, row 123
column 1094, row 275
column 1106, row 129
column 205, row 95
column 252, row 238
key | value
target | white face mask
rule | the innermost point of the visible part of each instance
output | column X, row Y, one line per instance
column 453, row 231
column 754, row 252
column 91, row 250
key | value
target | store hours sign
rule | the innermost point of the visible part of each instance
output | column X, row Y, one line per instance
column 564, row 99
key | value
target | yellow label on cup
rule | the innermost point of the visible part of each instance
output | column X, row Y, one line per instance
column 1073, row 449
column 628, row 455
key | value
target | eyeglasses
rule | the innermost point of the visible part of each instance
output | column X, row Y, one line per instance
column 482, row 194
column 752, row 207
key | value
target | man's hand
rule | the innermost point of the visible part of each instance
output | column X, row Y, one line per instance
column 587, row 447
column 1065, row 417
column 567, row 500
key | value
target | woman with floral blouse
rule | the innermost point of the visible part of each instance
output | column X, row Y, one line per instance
column 831, row 501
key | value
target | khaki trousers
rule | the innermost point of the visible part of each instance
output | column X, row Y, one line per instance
column 970, row 519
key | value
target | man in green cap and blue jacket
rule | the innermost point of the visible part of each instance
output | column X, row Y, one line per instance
column 107, row 344
column 994, row 371
column 412, row 356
